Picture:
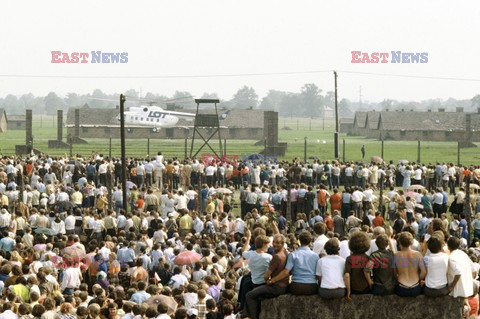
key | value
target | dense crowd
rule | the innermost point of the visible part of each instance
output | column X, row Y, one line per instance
column 70, row 250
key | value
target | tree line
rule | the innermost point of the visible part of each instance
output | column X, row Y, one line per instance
column 310, row 101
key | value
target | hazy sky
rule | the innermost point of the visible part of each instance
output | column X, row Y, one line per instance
column 211, row 37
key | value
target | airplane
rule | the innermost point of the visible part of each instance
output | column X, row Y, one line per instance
column 154, row 116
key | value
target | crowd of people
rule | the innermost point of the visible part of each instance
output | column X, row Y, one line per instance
column 209, row 239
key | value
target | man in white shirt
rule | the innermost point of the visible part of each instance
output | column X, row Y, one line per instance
column 320, row 229
column 178, row 279
column 357, row 200
column 70, row 223
column 460, row 279
column 72, row 278
column 348, row 176
column 368, row 200
column 437, row 201
column 209, row 171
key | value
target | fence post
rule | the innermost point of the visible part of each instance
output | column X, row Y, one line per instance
column 418, row 152
column 305, row 150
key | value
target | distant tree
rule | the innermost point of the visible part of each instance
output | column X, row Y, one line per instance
column 344, row 110
column 132, row 94
column 73, row 100
column 27, row 101
column 329, row 99
column 387, row 104
column 476, row 101
column 290, row 104
column 209, row 96
column 53, row 103
column 245, row 98
column 100, row 100
column 311, row 100
column 273, row 100
column 12, row 105
column 183, row 98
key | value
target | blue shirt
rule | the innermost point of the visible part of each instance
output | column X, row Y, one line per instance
column 445, row 198
column 125, row 255
column 282, row 222
column 7, row 243
column 140, row 297
column 303, row 264
column 258, row 264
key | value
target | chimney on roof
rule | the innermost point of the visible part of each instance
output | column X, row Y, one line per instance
column 441, row 110
column 459, row 109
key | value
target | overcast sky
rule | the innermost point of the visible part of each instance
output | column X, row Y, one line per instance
column 213, row 37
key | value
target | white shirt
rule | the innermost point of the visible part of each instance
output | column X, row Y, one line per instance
column 319, row 243
column 368, row 195
column 71, row 278
column 70, row 222
column 373, row 247
column 58, row 228
column 239, row 226
column 209, row 170
column 344, row 250
column 437, row 267
column 8, row 315
column 460, row 264
column 357, row 196
column 418, row 174
column 178, row 280
column 105, row 252
column 331, row 269
column 191, row 194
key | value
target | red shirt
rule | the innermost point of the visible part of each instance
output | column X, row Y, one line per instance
column 329, row 222
column 335, row 202
column 378, row 221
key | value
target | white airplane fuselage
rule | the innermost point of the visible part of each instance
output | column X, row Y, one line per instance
column 153, row 116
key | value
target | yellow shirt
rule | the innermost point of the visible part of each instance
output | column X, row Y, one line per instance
column 210, row 207
column 186, row 222
column 77, row 198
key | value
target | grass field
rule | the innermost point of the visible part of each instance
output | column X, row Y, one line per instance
column 316, row 131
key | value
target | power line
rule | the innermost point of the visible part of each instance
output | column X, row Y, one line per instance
column 230, row 75
column 159, row 76
column 413, row 76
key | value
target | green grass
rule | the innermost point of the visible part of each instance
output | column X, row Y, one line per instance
column 314, row 130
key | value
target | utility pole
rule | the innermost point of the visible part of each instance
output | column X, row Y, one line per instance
column 343, row 153
column 335, row 140
column 122, row 150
